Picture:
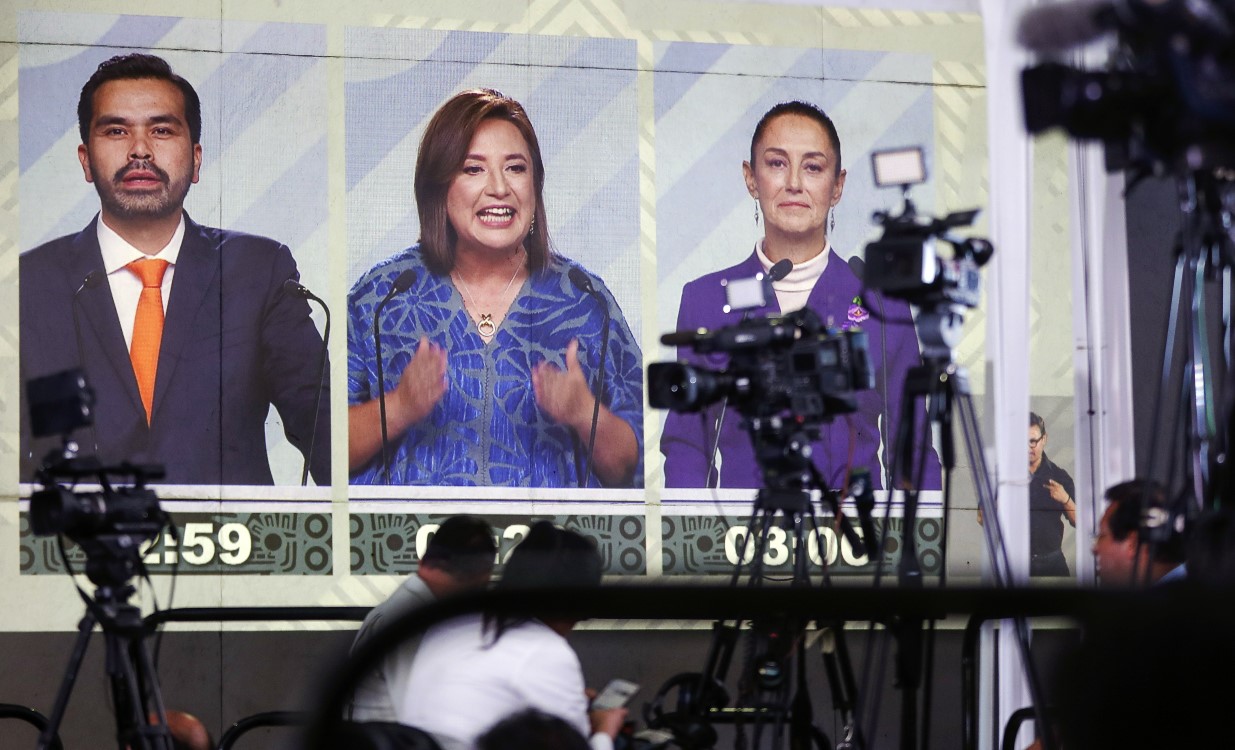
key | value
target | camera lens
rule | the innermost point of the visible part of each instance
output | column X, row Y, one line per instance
column 680, row 387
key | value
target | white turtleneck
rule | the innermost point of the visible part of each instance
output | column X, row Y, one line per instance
column 793, row 290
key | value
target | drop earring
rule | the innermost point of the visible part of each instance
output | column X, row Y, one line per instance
column 531, row 231
column 756, row 213
column 831, row 220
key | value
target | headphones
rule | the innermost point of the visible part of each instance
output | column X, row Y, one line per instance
column 696, row 695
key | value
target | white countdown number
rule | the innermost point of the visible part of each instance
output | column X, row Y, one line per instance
column 779, row 548
column 199, row 545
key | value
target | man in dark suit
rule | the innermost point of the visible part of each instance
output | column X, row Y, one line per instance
column 187, row 334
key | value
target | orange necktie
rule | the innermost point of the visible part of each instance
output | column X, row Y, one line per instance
column 147, row 327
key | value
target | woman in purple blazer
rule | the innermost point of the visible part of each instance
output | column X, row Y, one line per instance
column 795, row 176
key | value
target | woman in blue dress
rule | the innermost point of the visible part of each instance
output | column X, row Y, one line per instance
column 490, row 355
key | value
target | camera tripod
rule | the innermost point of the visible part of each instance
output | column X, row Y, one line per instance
column 130, row 670
column 1200, row 464
column 945, row 387
column 772, row 687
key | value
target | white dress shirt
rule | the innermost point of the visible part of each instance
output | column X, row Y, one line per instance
column 126, row 288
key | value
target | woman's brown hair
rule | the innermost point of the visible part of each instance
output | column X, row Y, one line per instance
column 442, row 151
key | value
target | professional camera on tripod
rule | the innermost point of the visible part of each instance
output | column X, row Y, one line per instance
column 110, row 525
column 787, row 376
column 1164, row 105
column 1166, row 101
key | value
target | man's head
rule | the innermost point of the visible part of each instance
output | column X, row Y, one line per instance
column 140, row 127
column 1119, row 535
column 1037, row 441
column 459, row 556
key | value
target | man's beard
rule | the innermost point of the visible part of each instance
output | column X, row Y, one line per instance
column 157, row 204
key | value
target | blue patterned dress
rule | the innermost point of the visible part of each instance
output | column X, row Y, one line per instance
column 488, row 428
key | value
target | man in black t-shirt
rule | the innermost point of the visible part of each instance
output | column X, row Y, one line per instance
column 1050, row 503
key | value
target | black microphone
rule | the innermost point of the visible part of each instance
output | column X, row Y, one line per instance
column 296, row 289
column 704, row 341
column 95, row 278
column 779, row 270
column 401, row 284
column 583, row 283
column 862, row 491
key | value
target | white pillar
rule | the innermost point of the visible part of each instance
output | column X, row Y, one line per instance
column 1008, row 332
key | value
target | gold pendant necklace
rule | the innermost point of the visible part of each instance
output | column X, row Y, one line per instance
column 486, row 326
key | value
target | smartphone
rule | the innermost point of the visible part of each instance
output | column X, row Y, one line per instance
column 615, row 695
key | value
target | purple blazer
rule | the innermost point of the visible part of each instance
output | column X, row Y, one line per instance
column 842, row 303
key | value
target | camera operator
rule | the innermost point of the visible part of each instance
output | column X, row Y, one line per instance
column 795, row 177
column 1118, row 547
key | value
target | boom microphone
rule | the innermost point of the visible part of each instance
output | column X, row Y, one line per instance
column 401, row 284
column 296, row 289
column 583, row 283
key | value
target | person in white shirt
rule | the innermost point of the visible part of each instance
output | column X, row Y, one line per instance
column 458, row 558
column 472, row 672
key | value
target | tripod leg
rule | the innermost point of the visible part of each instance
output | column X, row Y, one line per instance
column 152, row 694
column 134, row 689
column 49, row 737
column 839, row 670
column 999, row 557
column 1168, row 356
column 126, row 698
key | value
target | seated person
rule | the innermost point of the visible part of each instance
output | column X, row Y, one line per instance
column 458, row 558
column 475, row 670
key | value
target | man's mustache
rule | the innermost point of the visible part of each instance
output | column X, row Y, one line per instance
column 140, row 166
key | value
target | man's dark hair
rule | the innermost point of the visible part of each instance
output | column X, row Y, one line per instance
column 1128, row 499
column 462, row 547
column 532, row 729
column 547, row 558
column 134, row 66
column 803, row 109
column 1036, row 421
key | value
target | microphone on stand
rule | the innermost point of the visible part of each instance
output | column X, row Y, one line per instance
column 779, row 270
column 295, row 288
column 401, row 284
column 583, row 283
column 861, row 489
column 93, row 279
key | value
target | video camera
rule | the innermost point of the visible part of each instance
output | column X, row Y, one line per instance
column 1167, row 99
column 777, row 365
column 110, row 525
column 905, row 262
